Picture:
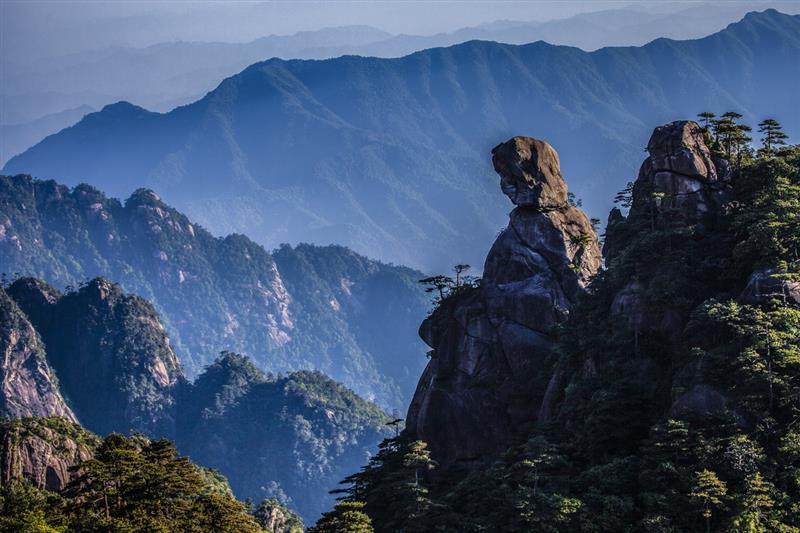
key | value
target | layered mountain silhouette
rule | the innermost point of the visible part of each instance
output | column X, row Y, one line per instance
column 387, row 156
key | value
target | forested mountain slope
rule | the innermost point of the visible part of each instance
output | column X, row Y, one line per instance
column 298, row 308
column 99, row 356
column 387, row 156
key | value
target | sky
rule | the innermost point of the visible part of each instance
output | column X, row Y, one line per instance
column 41, row 28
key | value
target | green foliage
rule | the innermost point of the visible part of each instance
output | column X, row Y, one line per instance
column 131, row 484
column 290, row 438
column 346, row 517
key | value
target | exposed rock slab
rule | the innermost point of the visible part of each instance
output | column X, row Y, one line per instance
column 42, row 451
column 681, row 174
column 28, row 385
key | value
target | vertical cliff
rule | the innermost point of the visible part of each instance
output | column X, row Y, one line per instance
column 492, row 359
column 28, row 385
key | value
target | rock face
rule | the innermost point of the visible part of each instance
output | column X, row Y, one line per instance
column 111, row 353
column 681, row 173
column 42, row 450
column 28, row 385
column 530, row 173
column 489, row 367
column 769, row 284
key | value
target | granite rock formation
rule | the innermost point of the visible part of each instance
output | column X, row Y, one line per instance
column 28, row 385
column 491, row 345
column 681, row 181
column 682, row 174
column 42, row 451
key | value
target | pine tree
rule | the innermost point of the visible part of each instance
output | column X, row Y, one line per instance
column 706, row 117
column 773, row 135
column 346, row 517
column 756, row 504
column 709, row 491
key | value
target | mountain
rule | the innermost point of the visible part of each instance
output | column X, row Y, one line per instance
column 289, row 436
column 115, row 342
column 103, row 360
column 386, row 156
column 164, row 75
column 655, row 392
column 297, row 308
column 15, row 138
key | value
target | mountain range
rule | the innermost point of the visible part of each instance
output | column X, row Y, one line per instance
column 302, row 307
column 386, row 156
column 163, row 75
column 101, row 357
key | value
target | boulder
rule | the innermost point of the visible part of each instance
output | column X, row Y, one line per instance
column 679, row 148
column 530, row 173
column 701, row 401
column 766, row 285
column 681, row 174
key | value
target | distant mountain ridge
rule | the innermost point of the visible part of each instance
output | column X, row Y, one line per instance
column 297, row 308
column 163, row 75
column 387, row 156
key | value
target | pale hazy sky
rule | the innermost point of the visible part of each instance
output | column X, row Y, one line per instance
column 33, row 28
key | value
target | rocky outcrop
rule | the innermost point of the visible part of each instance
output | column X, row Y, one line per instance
column 490, row 368
column 28, row 385
column 680, row 181
column 680, row 184
column 42, row 451
column 770, row 284
column 681, row 174
column 110, row 352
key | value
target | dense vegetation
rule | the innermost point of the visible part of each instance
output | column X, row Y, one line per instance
column 135, row 484
column 621, row 454
column 289, row 437
column 303, row 307
column 97, row 335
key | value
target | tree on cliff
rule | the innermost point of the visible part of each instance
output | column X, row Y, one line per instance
column 773, row 135
column 346, row 517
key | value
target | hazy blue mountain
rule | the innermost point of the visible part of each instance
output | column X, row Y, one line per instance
column 162, row 76
column 388, row 156
column 15, row 138
column 298, row 308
